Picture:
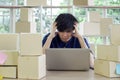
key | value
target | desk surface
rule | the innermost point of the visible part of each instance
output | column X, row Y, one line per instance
column 72, row 75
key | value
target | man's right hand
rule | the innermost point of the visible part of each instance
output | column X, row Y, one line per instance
column 53, row 29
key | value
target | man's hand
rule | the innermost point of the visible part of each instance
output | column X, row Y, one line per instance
column 76, row 31
column 81, row 41
column 53, row 29
column 50, row 37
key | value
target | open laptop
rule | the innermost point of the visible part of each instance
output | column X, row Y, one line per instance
column 67, row 59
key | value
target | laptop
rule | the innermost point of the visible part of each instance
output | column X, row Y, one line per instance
column 67, row 59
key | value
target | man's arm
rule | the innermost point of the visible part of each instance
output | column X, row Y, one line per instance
column 81, row 40
column 50, row 37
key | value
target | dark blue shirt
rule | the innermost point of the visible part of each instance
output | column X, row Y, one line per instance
column 58, row 43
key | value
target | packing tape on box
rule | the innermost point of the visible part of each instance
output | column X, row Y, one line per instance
column 118, row 69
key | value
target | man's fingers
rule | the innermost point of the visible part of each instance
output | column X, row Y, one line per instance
column 54, row 25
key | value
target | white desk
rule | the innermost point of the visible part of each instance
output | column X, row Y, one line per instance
column 72, row 75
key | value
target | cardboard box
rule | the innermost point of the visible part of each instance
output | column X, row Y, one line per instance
column 94, row 28
column 83, row 2
column 90, row 28
column 25, row 27
column 12, row 57
column 32, row 67
column 114, row 34
column 36, row 3
column 9, row 41
column 26, row 14
column 8, row 71
column 93, row 16
column 104, row 26
column 108, row 52
column 105, row 68
column 30, row 44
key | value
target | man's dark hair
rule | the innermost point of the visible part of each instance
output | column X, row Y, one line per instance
column 65, row 22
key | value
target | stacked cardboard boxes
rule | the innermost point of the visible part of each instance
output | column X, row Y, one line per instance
column 31, row 62
column 26, row 23
column 108, row 56
column 9, row 46
column 95, row 25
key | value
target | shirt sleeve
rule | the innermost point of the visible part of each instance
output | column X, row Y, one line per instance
column 86, row 42
column 45, row 38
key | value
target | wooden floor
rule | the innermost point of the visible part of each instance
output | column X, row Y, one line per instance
column 72, row 75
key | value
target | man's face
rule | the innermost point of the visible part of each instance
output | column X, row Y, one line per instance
column 65, row 36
